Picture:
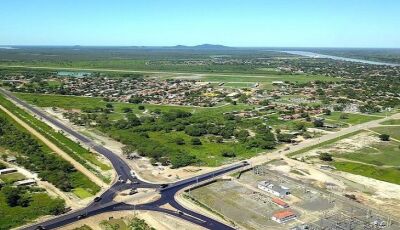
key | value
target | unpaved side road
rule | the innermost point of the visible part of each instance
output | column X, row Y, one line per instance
column 56, row 149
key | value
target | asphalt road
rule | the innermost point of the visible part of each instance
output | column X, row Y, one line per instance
column 125, row 179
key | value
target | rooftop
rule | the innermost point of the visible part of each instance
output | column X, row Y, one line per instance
column 284, row 214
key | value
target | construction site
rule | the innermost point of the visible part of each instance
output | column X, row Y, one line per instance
column 262, row 198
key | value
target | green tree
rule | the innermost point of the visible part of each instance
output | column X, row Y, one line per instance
column 196, row 141
column 138, row 224
column 344, row 116
column 180, row 141
column 384, row 137
column 318, row 123
column 325, row 156
column 228, row 154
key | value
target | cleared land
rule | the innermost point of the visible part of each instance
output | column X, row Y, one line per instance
column 361, row 153
column 393, row 131
column 11, row 177
column 391, row 122
column 352, row 118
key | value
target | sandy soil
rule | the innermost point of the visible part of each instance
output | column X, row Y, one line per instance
column 312, row 174
column 347, row 145
column 194, row 207
column 157, row 220
column 143, row 196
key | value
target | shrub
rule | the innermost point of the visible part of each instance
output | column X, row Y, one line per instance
column 285, row 137
column 327, row 112
column 384, row 137
column 344, row 116
column 325, row 157
column 126, row 110
column 228, row 154
column 318, row 123
column 196, row 141
column 180, row 141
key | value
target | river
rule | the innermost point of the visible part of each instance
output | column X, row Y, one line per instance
column 317, row 55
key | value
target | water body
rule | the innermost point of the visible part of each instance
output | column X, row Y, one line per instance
column 317, row 55
column 7, row 48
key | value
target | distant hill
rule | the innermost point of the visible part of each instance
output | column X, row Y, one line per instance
column 203, row 47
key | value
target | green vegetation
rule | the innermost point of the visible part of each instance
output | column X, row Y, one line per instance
column 169, row 138
column 84, row 227
column 392, row 131
column 379, row 154
column 11, row 177
column 34, row 156
column 81, row 193
column 27, row 204
column 391, row 122
column 76, row 151
column 92, row 103
column 350, row 118
column 325, row 157
column 304, row 150
column 266, row 79
column 384, row 137
column 391, row 175
column 182, row 138
column 121, row 224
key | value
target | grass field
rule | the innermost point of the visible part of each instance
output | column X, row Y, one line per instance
column 82, row 193
column 304, row 150
column 393, row 131
column 391, row 122
column 373, row 158
column 11, row 217
column 391, row 175
column 118, row 224
column 379, row 154
column 12, row 177
column 353, row 118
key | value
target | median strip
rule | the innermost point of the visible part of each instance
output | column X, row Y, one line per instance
column 57, row 150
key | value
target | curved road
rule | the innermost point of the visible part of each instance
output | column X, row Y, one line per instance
column 106, row 204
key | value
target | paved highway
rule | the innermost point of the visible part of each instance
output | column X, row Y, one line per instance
column 106, row 204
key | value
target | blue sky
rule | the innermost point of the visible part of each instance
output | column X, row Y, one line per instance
column 276, row 23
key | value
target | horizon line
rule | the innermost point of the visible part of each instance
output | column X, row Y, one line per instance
column 194, row 46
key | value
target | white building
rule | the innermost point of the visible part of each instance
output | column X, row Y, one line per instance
column 25, row 182
column 7, row 170
column 277, row 190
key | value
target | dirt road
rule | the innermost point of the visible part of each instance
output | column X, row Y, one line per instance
column 56, row 149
